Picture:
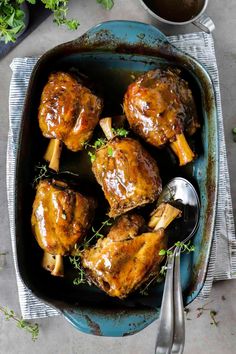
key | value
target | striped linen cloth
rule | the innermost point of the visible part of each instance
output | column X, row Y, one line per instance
column 222, row 264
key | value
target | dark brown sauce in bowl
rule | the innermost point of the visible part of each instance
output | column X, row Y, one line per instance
column 175, row 10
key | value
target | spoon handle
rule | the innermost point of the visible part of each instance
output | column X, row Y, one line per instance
column 179, row 325
column 166, row 323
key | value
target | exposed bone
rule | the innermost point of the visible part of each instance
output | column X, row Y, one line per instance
column 182, row 149
column 163, row 216
column 48, row 261
column 53, row 154
column 54, row 264
column 106, row 125
column 58, row 270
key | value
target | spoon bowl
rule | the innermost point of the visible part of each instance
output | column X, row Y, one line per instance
column 181, row 193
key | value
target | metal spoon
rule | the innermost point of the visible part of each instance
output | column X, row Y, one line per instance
column 171, row 335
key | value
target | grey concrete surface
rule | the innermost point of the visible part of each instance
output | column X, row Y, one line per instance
column 56, row 335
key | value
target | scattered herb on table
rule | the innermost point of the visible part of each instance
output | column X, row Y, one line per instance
column 33, row 329
column 2, row 259
column 234, row 134
column 187, row 311
column 107, row 4
column 213, row 313
column 200, row 310
column 59, row 9
column 12, row 15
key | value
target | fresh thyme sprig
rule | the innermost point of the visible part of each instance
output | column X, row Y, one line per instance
column 144, row 290
column 120, row 132
column 185, row 248
column 76, row 260
column 92, row 156
column 33, row 329
column 212, row 313
column 41, row 171
column 97, row 233
column 100, row 142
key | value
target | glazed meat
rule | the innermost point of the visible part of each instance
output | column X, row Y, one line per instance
column 60, row 217
column 160, row 107
column 126, row 258
column 68, row 111
column 128, row 175
column 119, row 263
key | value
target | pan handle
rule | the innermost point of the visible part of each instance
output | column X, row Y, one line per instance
column 112, row 34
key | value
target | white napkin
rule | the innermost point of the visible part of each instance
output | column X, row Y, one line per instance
column 222, row 263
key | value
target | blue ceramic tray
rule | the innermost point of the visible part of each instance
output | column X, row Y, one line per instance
column 110, row 53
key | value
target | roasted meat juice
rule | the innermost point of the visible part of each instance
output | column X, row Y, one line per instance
column 175, row 10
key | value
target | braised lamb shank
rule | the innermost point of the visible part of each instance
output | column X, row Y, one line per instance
column 60, row 219
column 68, row 113
column 160, row 108
column 127, row 257
column 128, row 175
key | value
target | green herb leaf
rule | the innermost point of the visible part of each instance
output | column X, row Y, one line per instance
column 97, row 234
column 163, row 270
column 92, row 156
column 60, row 9
column 213, row 313
column 41, row 171
column 162, row 252
column 99, row 143
column 184, row 248
column 110, row 151
column 33, row 329
column 76, row 262
column 120, row 132
column 107, row 4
